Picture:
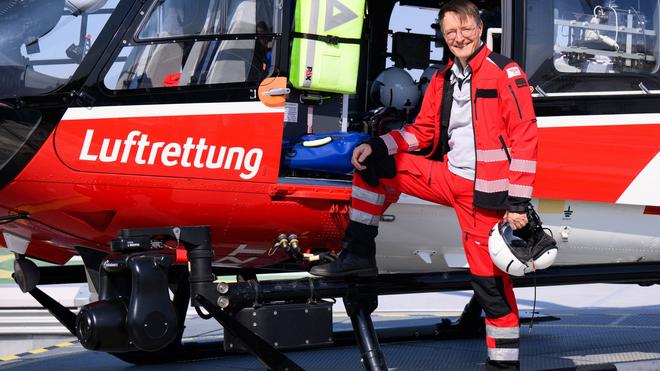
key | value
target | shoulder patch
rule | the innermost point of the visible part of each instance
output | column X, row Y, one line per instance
column 513, row 72
column 499, row 60
column 521, row 82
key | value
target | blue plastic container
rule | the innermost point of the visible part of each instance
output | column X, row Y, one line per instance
column 329, row 153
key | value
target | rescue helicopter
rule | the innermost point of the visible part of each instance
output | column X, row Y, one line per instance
column 169, row 141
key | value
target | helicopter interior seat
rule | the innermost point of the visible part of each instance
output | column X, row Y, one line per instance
column 22, row 79
column 142, row 72
column 151, row 66
column 41, row 81
column 229, row 61
column 233, row 59
column 193, row 71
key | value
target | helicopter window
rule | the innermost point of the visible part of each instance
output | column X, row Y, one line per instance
column 167, row 51
column 42, row 42
column 414, row 46
column 593, row 46
column 172, row 18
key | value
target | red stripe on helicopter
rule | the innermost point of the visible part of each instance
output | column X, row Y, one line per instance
column 594, row 163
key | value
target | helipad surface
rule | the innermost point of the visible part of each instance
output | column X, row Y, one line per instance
column 602, row 327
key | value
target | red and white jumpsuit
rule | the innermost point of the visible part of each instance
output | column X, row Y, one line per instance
column 505, row 141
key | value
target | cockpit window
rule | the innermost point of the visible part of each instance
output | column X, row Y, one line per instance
column 42, row 42
column 207, row 17
column 165, row 52
column 593, row 46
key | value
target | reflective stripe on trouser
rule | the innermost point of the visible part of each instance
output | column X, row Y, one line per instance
column 494, row 291
column 432, row 181
column 502, row 343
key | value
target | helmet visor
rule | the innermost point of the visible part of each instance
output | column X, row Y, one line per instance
column 517, row 245
column 511, row 239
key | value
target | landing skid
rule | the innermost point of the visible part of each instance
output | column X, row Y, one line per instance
column 223, row 300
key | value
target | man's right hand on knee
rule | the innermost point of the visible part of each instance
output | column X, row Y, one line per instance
column 360, row 154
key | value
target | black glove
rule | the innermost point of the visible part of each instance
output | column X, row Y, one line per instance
column 538, row 240
column 379, row 163
column 377, row 169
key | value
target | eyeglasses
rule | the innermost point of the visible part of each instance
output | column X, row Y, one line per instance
column 465, row 32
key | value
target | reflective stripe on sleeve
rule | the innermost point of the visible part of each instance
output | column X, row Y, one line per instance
column 523, row 166
column 503, row 354
column 502, row 332
column 311, row 44
column 492, row 155
column 519, row 190
column 491, row 186
column 392, row 147
column 410, row 139
column 368, row 196
column 362, row 217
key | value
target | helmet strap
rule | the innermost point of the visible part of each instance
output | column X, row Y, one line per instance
column 531, row 321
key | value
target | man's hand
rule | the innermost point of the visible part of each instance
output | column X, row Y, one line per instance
column 515, row 220
column 360, row 154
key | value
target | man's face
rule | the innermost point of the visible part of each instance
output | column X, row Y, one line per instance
column 462, row 37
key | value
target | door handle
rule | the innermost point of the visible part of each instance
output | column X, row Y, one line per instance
column 276, row 92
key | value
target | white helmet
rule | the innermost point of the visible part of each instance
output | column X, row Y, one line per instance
column 517, row 256
column 395, row 88
column 84, row 6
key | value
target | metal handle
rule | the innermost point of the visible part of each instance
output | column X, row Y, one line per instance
column 277, row 92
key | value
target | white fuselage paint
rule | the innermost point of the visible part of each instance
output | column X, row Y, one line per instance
column 596, row 233
column 598, row 120
column 168, row 110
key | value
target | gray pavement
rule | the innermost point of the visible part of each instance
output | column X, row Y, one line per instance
column 600, row 325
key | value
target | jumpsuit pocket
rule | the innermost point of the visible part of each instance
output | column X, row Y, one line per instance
column 505, row 148
column 486, row 93
column 412, row 164
column 478, row 257
column 482, row 93
column 481, row 242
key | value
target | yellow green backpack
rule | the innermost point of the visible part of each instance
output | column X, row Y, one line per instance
column 325, row 55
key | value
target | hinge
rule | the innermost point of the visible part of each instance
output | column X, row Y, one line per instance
column 85, row 99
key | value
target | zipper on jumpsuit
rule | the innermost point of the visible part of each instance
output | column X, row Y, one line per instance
column 474, row 138
column 515, row 100
column 476, row 115
column 504, row 148
column 444, row 86
column 439, row 131
column 431, row 172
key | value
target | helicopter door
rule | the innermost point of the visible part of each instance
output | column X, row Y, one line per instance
column 181, row 96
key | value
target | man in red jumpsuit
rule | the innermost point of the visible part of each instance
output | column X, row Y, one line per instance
column 478, row 131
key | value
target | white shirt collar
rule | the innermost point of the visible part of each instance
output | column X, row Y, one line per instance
column 460, row 73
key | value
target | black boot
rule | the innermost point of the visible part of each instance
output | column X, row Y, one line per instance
column 502, row 365
column 358, row 258
column 347, row 264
